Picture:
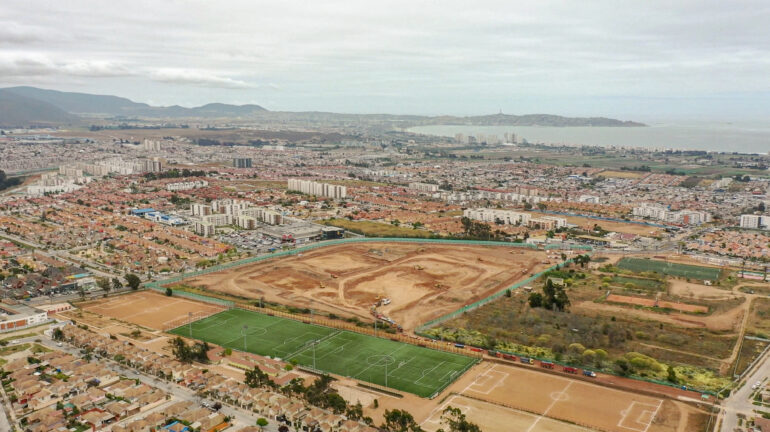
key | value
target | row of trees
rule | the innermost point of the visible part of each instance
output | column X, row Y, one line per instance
column 133, row 281
column 322, row 395
column 6, row 182
column 189, row 353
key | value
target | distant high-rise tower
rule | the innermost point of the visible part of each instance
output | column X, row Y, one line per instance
column 241, row 162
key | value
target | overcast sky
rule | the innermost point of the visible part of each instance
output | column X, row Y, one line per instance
column 625, row 59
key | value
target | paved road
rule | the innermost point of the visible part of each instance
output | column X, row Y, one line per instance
column 739, row 401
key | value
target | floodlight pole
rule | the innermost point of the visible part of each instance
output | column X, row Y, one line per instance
column 375, row 327
column 315, row 342
column 245, row 327
column 386, row 372
column 189, row 321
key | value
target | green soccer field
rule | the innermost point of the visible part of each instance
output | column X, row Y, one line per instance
column 397, row 365
column 673, row 269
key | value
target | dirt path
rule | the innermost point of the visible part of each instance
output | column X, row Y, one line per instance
column 726, row 321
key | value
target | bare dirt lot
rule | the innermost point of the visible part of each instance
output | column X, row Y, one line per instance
column 422, row 281
column 648, row 302
column 149, row 309
column 560, row 404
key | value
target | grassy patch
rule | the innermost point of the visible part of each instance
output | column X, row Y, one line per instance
column 4, row 351
column 637, row 283
column 759, row 318
column 37, row 348
column 384, row 362
column 639, row 265
column 21, row 336
column 377, row 229
column 750, row 350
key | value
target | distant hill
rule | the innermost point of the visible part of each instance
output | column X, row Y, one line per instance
column 21, row 111
column 28, row 105
column 85, row 104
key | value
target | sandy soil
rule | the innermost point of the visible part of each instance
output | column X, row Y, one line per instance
column 149, row 309
column 730, row 320
column 681, row 288
column 423, row 281
column 491, row 417
column 558, row 398
column 683, row 307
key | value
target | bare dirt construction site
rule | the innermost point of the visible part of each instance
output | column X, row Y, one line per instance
column 498, row 397
column 149, row 309
column 422, row 281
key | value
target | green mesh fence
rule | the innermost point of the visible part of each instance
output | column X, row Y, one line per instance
column 198, row 297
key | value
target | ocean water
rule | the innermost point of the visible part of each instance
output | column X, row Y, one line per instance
column 722, row 137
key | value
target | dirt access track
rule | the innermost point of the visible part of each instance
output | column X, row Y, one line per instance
column 422, row 281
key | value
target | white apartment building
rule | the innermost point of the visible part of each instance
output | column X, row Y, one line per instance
column 318, row 189
column 189, row 185
column 590, row 199
column 755, row 221
column 229, row 206
column 151, row 145
column 205, row 229
column 424, row 187
column 511, row 217
column 197, row 209
column 508, row 217
column 657, row 212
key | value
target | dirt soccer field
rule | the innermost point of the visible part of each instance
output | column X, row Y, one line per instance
column 422, row 281
column 560, row 404
column 150, row 309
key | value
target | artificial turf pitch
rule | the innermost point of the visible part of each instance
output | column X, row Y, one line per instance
column 669, row 268
column 409, row 368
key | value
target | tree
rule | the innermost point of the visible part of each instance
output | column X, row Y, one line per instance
column 133, row 281
column 400, row 421
column 256, row 378
column 169, row 292
column 116, row 284
column 57, row 334
column 103, row 283
column 455, row 420
column 188, row 354
column 261, row 422
column 672, row 375
column 535, row 300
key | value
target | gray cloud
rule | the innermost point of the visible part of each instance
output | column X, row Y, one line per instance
column 445, row 56
column 200, row 78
